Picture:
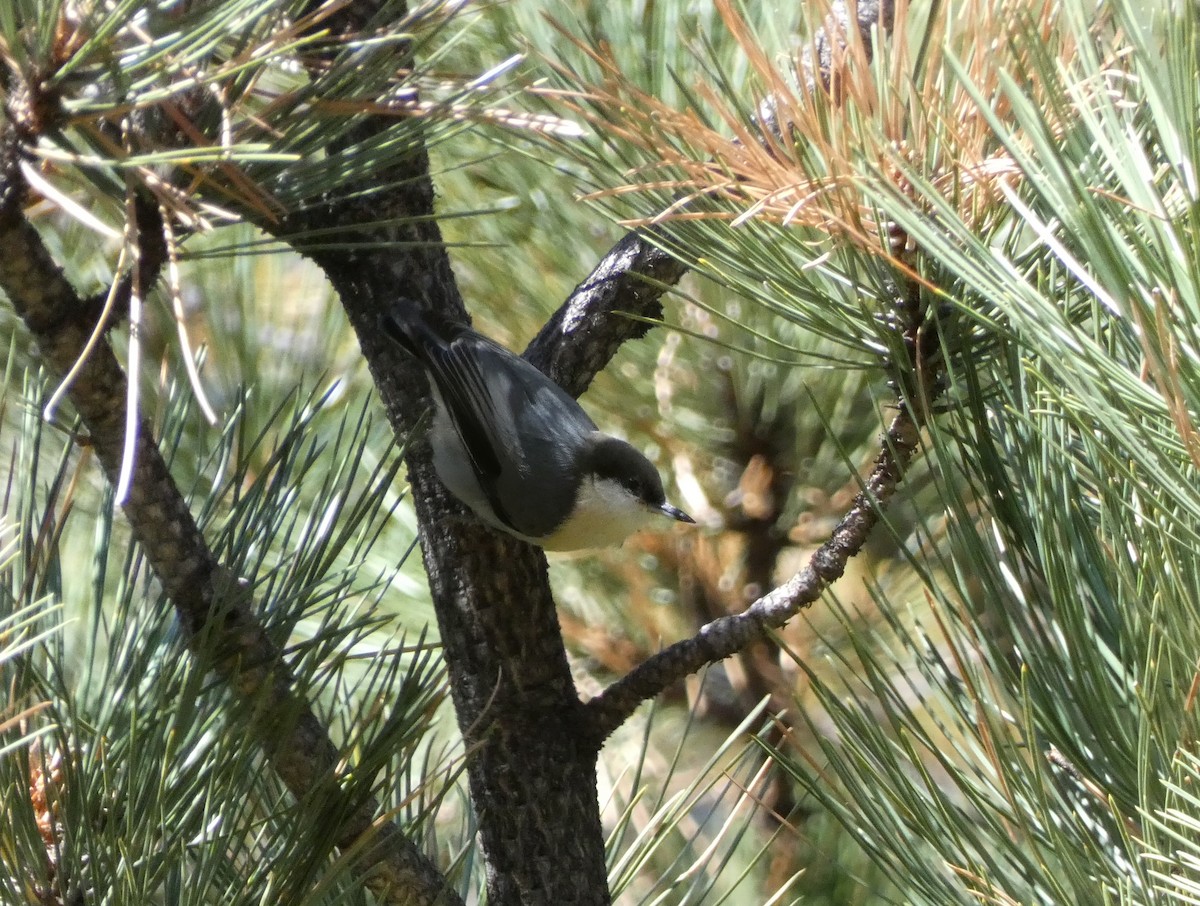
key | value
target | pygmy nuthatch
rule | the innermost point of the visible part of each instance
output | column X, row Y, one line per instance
column 519, row 451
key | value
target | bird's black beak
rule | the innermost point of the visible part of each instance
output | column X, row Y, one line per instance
column 675, row 513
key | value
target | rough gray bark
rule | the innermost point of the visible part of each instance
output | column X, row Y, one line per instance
column 512, row 689
column 531, row 768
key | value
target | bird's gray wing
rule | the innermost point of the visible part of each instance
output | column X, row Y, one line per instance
column 472, row 408
column 516, row 424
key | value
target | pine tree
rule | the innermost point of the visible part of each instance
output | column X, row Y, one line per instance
column 911, row 296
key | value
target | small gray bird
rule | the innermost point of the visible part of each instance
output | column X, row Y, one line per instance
column 519, row 451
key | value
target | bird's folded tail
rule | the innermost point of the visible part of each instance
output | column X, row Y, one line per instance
column 407, row 327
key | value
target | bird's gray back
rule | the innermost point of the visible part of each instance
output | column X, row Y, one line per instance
column 521, row 429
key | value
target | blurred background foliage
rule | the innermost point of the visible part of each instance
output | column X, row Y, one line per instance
column 995, row 704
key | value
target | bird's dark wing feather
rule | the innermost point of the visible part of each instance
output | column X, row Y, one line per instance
column 490, row 394
column 521, row 430
column 473, row 408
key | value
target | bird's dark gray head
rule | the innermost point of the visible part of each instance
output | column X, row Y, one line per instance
column 609, row 458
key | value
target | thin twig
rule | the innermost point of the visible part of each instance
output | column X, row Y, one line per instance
column 729, row 635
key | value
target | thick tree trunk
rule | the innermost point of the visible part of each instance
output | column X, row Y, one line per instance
column 532, row 783
column 531, row 763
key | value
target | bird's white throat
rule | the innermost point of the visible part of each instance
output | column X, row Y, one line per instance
column 605, row 514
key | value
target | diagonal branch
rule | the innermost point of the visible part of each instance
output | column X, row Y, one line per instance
column 584, row 333
column 206, row 599
column 728, row 635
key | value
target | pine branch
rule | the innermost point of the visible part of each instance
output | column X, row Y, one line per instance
column 206, row 598
column 585, row 332
column 728, row 635
column 515, row 699
column 58, row 319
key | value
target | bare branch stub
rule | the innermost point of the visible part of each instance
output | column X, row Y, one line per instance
column 586, row 331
